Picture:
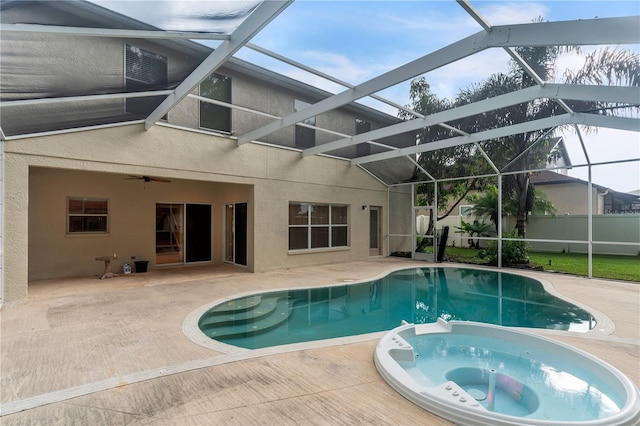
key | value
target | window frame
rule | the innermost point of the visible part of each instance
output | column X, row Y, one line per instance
column 131, row 83
column 304, row 137
column 317, row 223
column 362, row 126
column 214, row 107
column 466, row 210
column 84, row 214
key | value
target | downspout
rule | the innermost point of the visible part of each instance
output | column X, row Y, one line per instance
column 601, row 197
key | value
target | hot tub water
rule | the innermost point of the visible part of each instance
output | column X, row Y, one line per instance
column 484, row 374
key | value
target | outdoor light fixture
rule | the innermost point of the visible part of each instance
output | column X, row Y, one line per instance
column 364, row 207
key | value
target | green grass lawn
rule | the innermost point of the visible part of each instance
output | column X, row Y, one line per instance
column 625, row 268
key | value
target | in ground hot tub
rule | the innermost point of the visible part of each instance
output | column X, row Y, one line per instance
column 482, row 374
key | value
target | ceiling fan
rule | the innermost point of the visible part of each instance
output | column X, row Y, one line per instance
column 149, row 178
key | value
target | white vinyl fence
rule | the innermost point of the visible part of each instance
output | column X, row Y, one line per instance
column 612, row 234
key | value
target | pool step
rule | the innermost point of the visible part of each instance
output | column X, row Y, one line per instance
column 226, row 315
column 247, row 323
column 237, row 305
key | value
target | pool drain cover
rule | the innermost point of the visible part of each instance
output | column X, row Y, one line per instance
column 477, row 394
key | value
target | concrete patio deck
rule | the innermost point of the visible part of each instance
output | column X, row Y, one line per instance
column 90, row 351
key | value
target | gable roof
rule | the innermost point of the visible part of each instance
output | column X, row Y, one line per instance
column 547, row 177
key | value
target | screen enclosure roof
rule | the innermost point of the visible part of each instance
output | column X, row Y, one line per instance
column 241, row 34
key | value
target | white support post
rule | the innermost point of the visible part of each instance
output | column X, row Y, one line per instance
column 500, row 221
column 388, row 221
column 590, row 224
column 436, row 243
column 1, row 216
column 413, row 220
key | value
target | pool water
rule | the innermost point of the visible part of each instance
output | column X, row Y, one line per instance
column 415, row 295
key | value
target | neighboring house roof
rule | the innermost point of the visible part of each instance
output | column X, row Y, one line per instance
column 558, row 143
column 544, row 148
column 555, row 143
column 547, row 177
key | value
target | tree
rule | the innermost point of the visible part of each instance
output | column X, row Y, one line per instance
column 619, row 66
column 604, row 66
column 485, row 205
column 443, row 163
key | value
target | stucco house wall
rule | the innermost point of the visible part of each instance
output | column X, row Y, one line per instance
column 569, row 198
column 43, row 168
column 63, row 66
column 41, row 172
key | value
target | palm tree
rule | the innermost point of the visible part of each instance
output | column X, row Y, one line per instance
column 606, row 66
column 603, row 67
column 474, row 229
column 485, row 205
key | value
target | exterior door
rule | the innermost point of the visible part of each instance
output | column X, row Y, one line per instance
column 236, row 233
column 198, row 233
column 169, row 234
column 375, row 226
column 183, row 233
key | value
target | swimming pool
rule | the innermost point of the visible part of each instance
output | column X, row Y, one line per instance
column 416, row 295
column 481, row 374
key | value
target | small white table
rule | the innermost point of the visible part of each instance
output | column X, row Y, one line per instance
column 108, row 273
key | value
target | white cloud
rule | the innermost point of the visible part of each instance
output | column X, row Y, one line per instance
column 449, row 80
column 339, row 66
column 512, row 12
column 607, row 145
column 441, row 30
column 185, row 15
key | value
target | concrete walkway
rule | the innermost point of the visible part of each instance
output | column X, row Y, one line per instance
column 90, row 351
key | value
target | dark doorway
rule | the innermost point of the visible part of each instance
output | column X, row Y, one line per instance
column 198, row 233
column 236, row 233
column 375, row 227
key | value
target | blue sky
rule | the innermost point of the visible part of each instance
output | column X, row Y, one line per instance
column 358, row 40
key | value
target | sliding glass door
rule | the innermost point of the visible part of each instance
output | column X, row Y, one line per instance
column 169, row 234
column 183, row 233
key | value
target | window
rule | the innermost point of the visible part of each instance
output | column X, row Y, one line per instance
column 362, row 126
column 466, row 210
column 313, row 226
column 87, row 215
column 304, row 137
column 144, row 71
column 216, row 117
